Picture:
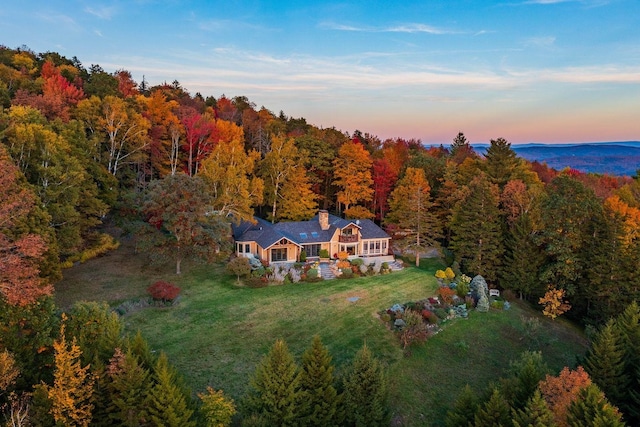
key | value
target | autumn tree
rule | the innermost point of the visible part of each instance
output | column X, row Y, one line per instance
column 352, row 172
column 298, row 199
column 199, row 137
column 560, row 391
column 229, row 173
column 276, row 169
column 384, row 179
column 476, row 226
column 176, row 209
column 217, row 409
column 20, row 256
column 275, row 394
column 165, row 133
column 554, row 303
column 410, row 211
column 72, row 389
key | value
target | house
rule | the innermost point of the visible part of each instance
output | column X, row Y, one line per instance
column 284, row 241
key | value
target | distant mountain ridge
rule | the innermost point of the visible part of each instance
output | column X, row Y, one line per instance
column 613, row 158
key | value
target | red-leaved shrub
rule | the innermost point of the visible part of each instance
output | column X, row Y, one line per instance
column 163, row 291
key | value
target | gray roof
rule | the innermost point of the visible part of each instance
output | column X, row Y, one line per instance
column 301, row 232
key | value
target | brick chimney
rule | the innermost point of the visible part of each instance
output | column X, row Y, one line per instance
column 323, row 219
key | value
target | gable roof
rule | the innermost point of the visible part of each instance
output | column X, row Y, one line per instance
column 267, row 234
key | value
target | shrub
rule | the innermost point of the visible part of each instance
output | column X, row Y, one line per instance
column 346, row 273
column 343, row 256
column 342, row 264
column 430, row 317
column 414, row 330
column 312, row 273
column 384, row 266
column 441, row 313
column 163, row 291
column 303, row 256
column 323, row 253
column 385, row 317
column 497, row 304
column 239, row 267
column 256, row 282
column 462, row 289
column 469, row 302
column 357, row 262
column 446, row 294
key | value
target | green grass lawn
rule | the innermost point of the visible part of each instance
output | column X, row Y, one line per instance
column 219, row 331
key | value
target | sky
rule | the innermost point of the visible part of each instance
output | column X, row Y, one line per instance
column 525, row 70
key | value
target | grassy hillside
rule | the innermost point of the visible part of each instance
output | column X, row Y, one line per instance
column 219, row 331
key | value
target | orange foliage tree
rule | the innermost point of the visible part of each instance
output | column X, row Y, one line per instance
column 560, row 391
column 554, row 303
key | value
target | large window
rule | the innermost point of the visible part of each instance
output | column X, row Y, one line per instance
column 279, row 254
column 375, row 247
column 312, row 250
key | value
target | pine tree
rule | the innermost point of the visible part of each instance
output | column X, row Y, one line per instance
column 464, row 409
column 536, row 413
column 501, row 163
column 216, row 408
column 628, row 323
column 461, row 149
column 523, row 378
column 317, row 383
column 166, row 402
column 72, row 390
column 605, row 363
column 592, row 409
column 129, row 387
column 365, row 391
column 496, row 412
column 476, row 225
column 523, row 260
column 411, row 211
column 275, row 394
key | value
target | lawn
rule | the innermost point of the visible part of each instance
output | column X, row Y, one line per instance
column 218, row 331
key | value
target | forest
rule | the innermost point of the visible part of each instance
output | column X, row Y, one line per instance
column 82, row 148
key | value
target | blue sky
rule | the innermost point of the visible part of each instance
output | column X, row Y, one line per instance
column 525, row 70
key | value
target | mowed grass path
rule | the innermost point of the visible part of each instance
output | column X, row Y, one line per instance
column 219, row 331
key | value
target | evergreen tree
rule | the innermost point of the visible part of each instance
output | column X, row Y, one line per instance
column 523, row 378
column 628, row 323
column 216, row 408
column 129, row 386
column 410, row 211
column 605, row 363
column 476, row 225
column 322, row 402
column 464, row 409
column 523, row 260
column 592, row 409
column 365, row 391
column 501, row 162
column 536, row 413
column 461, row 149
column 167, row 403
column 275, row 395
column 495, row 412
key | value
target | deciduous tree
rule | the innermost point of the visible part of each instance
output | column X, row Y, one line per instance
column 352, row 172
column 560, row 391
column 177, row 209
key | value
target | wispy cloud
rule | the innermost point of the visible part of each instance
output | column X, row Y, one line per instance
column 102, row 12
column 61, row 20
column 401, row 28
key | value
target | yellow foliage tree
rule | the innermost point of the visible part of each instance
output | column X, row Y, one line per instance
column 554, row 303
column 217, row 409
column 72, row 390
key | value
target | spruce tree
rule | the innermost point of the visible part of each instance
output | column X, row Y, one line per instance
column 502, row 162
column 592, row 409
column 605, row 363
column 275, row 395
column 477, row 229
column 464, row 409
column 166, row 402
column 536, row 413
column 495, row 412
column 322, row 402
column 129, row 387
column 628, row 323
column 365, row 391
column 523, row 378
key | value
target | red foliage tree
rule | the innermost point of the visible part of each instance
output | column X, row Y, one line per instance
column 384, row 179
column 20, row 283
column 163, row 291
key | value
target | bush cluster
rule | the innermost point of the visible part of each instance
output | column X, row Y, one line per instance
column 163, row 291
